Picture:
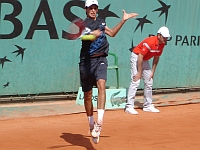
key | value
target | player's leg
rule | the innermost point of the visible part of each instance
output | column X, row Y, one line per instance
column 101, row 85
column 101, row 77
column 133, row 86
column 89, row 108
column 86, row 78
column 100, row 108
column 95, row 128
column 148, row 84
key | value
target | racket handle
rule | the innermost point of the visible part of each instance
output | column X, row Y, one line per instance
column 89, row 37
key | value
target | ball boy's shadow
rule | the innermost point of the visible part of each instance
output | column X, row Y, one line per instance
column 138, row 104
column 77, row 140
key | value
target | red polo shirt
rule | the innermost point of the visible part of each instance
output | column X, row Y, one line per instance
column 149, row 48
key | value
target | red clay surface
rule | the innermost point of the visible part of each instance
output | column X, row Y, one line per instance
column 174, row 128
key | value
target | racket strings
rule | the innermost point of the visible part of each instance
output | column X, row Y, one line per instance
column 75, row 29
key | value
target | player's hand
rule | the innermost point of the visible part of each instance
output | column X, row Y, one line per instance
column 151, row 76
column 128, row 16
column 97, row 33
column 137, row 77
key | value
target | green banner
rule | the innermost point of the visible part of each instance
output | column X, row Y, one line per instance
column 35, row 58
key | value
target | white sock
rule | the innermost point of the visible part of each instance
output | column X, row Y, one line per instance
column 91, row 121
column 100, row 114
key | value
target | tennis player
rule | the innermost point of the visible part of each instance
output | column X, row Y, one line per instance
column 93, row 63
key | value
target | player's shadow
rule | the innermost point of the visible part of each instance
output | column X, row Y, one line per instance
column 77, row 140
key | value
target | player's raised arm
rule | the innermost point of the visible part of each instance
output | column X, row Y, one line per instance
column 112, row 32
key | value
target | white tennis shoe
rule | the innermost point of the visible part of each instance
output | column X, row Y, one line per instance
column 151, row 108
column 131, row 111
column 95, row 133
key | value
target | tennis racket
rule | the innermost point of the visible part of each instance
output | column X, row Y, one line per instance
column 77, row 30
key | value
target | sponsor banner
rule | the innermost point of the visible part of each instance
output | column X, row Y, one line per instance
column 115, row 98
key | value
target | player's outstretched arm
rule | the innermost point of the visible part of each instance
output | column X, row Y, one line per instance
column 112, row 32
column 128, row 16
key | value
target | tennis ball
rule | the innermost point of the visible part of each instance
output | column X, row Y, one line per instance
column 89, row 37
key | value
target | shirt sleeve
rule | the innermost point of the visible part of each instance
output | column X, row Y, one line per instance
column 161, row 50
column 144, row 49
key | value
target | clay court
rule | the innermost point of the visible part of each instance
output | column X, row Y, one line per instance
column 174, row 128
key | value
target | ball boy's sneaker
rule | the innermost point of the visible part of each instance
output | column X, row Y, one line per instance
column 151, row 108
column 131, row 111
